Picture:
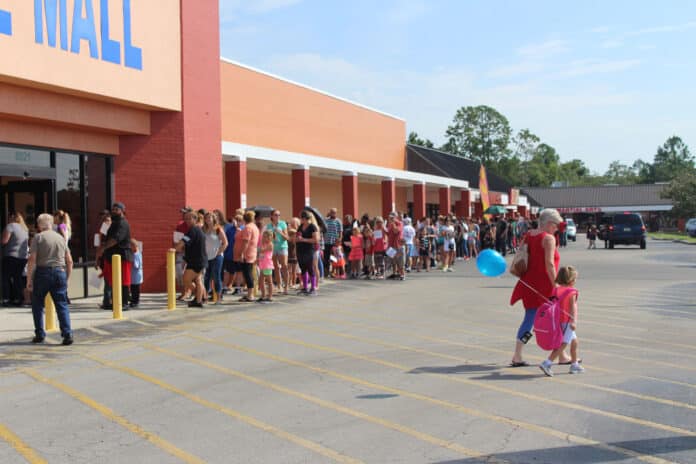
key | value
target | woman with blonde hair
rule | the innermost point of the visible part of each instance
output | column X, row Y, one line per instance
column 215, row 245
column 63, row 224
column 15, row 252
column 537, row 284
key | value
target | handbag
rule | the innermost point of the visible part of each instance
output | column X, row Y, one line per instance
column 518, row 267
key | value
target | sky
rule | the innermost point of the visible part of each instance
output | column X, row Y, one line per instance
column 598, row 80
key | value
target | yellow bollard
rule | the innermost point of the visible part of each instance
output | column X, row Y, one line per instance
column 50, row 314
column 171, row 279
column 116, row 294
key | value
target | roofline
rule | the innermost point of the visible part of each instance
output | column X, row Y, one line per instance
column 440, row 151
column 304, row 86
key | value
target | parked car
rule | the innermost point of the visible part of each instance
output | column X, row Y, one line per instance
column 571, row 229
column 627, row 229
column 691, row 227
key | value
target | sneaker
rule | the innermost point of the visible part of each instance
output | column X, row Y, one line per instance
column 67, row 340
column 546, row 369
column 402, row 278
column 576, row 369
column 313, row 293
column 449, row 269
column 195, row 304
column 38, row 339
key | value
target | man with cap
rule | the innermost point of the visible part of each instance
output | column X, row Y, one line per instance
column 118, row 242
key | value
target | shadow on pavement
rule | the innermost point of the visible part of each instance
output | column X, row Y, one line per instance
column 588, row 454
column 463, row 368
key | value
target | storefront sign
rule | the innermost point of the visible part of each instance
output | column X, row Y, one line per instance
column 120, row 49
column 591, row 209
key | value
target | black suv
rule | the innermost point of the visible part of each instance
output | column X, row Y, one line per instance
column 626, row 229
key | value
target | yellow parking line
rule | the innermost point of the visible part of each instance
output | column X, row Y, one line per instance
column 332, row 406
column 479, row 384
column 442, row 403
column 31, row 456
column 120, row 420
column 312, row 446
column 477, row 347
column 465, row 360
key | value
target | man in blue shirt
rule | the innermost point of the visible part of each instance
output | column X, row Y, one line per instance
column 334, row 232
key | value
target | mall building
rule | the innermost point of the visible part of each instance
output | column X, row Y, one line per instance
column 129, row 100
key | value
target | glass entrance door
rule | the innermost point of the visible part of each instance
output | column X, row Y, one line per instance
column 29, row 197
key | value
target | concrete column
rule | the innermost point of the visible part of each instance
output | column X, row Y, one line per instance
column 478, row 210
column 184, row 145
column 388, row 196
column 350, row 194
column 300, row 189
column 464, row 208
column 418, row 201
column 523, row 211
column 445, row 200
column 235, row 186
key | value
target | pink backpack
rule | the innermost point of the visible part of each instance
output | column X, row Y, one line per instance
column 547, row 322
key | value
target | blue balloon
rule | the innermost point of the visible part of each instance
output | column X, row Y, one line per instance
column 490, row 263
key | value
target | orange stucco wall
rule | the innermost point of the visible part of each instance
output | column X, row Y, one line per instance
column 261, row 110
column 270, row 189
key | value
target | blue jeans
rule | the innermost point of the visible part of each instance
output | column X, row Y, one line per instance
column 51, row 280
column 528, row 323
column 214, row 271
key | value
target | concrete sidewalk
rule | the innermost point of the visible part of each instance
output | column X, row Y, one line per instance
column 16, row 323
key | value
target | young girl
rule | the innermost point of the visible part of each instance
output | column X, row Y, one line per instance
column 369, row 255
column 424, row 248
column 339, row 265
column 566, row 277
column 356, row 253
column 266, row 266
column 592, row 236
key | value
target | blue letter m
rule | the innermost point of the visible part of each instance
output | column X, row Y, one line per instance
column 5, row 22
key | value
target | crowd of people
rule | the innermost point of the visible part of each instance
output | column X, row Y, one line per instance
column 255, row 256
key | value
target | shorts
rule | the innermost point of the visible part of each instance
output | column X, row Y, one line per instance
column 424, row 252
column 292, row 260
column 568, row 333
column 450, row 245
column 267, row 272
column 280, row 252
column 231, row 267
column 196, row 269
column 412, row 250
column 369, row 260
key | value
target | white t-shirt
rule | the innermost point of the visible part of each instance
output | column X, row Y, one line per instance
column 408, row 234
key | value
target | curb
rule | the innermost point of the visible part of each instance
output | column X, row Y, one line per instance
column 673, row 240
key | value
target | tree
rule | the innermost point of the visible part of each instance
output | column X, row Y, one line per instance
column 671, row 158
column 413, row 139
column 543, row 167
column 621, row 174
column 682, row 192
column 480, row 133
column 573, row 172
column 524, row 145
column 645, row 172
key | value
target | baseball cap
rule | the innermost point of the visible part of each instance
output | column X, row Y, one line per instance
column 119, row 205
column 186, row 209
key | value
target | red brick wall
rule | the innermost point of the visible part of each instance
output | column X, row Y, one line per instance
column 180, row 162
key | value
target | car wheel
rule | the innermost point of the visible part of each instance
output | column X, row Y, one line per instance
column 611, row 245
column 642, row 244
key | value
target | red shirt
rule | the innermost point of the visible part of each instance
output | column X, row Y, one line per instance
column 380, row 236
column 395, row 234
column 536, row 275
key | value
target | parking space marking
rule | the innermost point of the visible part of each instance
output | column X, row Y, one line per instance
column 576, row 439
column 332, row 406
column 120, row 420
column 31, row 456
column 479, row 384
column 307, row 444
column 466, row 360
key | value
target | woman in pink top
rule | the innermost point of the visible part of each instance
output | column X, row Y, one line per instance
column 356, row 253
column 380, row 246
column 249, row 238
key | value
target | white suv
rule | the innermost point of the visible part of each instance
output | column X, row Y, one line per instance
column 571, row 230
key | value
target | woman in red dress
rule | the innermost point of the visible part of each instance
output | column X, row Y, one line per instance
column 542, row 266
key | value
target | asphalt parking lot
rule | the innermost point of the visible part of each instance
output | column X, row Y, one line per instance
column 378, row 372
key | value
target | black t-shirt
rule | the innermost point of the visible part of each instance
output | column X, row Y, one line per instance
column 120, row 232
column 305, row 248
column 194, row 252
column 500, row 229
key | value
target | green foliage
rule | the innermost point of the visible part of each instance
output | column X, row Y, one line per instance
column 414, row 139
column 671, row 158
column 682, row 192
column 620, row 174
column 480, row 133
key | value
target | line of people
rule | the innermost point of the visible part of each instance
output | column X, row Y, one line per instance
column 254, row 258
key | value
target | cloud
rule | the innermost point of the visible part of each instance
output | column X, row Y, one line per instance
column 661, row 29
column 544, row 49
column 585, row 67
column 517, row 69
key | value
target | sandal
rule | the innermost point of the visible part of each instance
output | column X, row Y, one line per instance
column 245, row 299
column 519, row 364
column 567, row 363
